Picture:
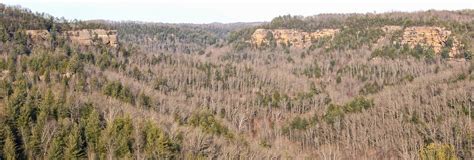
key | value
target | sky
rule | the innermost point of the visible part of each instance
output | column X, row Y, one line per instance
column 224, row 11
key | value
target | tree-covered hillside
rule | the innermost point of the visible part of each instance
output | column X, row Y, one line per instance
column 186, row 91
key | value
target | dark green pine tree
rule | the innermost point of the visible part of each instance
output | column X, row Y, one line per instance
column 117, row 140
column 25, row 125
column 17, row 100
column 9, row 147
column 92, row 132
column 157, row 143
column 3, row 34
column 122, row 130
column 151, row 136
column 34, row 143
column 55, row 150
column 58, row 144
column 26, row 114
column 74, row 143
column 48, row 106
column 42, row 114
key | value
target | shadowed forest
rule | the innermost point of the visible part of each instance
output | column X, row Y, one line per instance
column 135, row 90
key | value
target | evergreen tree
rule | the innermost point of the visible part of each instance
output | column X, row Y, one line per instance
column 9, row 148
column 73, row 148
column 48, row 105
column 157, row 143
column 57, row 146
column 34, row 142
column 117, row 139
column 92, row 131
column 3, row 34
column 438, row 151
column 144, row 100
column 17, row 100
column 26, row 114
column 25, row 123
column 151, row 135
column 55, row 150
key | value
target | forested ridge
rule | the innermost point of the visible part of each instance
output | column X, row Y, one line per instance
column 202, row 91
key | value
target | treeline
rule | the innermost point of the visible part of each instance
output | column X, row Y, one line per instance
column 16, row 18
column 175, row 38
column 63, row 101
column 357, row 30
column 452, row 20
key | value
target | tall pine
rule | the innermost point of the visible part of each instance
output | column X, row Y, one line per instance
column 74, row 143
column 92, row 133
column 157, row 143
column 117, row 140
column 9, row 147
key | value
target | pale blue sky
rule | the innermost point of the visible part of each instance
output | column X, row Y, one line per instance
column 226, row 11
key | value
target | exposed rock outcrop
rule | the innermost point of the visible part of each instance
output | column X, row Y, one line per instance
column 289, row 37
column 81, row 37
column 391, row 29
column 425, row 36
column 86, row 37
column 39, row 36
column 434, row 37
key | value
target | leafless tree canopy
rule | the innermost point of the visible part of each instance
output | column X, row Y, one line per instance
column 186, row 91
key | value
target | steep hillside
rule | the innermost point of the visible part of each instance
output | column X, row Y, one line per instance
column 348, row 86
column 436, row 38
column 81, row 37
column 288, row 37
column 175, row 38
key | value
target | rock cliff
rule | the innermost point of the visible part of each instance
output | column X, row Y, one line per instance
column 289, row 37
column 434, row 37
column 86, row 37
column 81, row 37
column 425, row 36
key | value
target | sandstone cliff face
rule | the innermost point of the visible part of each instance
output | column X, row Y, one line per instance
column 435, row 37
column 81, row 37
column 391, row 29
column 40, row 35
column 86, row 37
column 426, row 36
column 288, row 37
